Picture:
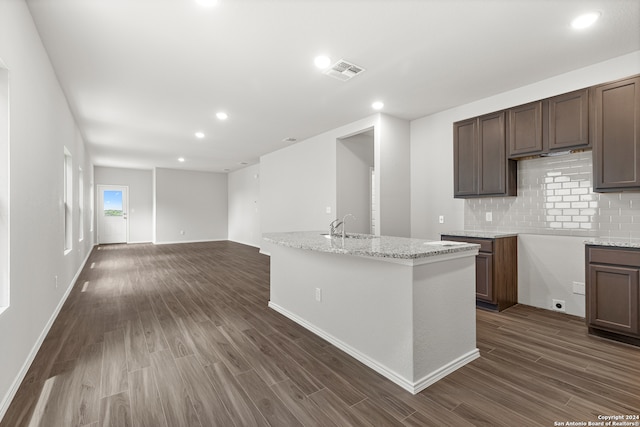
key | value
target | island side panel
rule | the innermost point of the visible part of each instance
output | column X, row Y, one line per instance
column 365, row 306
column 444, row 307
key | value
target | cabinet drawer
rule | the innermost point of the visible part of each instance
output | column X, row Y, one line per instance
column 601, row 255
column 486, row 245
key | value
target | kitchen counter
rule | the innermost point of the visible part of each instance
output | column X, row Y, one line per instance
column 480, row 234
column 385, row 247
column 613, row 242
column 403, row 307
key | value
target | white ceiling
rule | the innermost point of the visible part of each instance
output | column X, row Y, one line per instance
column 142, row 76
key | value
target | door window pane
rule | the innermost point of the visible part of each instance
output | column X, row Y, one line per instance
column 112, row 203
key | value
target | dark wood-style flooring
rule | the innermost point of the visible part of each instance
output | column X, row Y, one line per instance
column 180, row 335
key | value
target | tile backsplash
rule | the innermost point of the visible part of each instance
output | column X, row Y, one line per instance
column 555, row 196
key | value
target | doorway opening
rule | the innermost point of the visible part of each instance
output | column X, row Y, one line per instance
column 113, row 226
column 355, row 181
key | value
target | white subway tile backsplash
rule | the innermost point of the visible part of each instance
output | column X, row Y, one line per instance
column 555, row 196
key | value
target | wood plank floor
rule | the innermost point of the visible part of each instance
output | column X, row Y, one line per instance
column 180, row 335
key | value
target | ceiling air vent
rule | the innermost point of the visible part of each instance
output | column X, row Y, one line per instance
column 343, row 70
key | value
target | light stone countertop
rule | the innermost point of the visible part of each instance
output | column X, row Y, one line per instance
column 612, row 242
column 368, row 245
column 480, row 234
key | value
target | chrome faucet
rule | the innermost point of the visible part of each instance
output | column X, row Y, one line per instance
column 336, row 224
column 333, row 227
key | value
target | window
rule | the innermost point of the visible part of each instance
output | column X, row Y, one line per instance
column 80, row 205
column 91, row 205
column 4, row 188
column 113, row 203
column 68, row 202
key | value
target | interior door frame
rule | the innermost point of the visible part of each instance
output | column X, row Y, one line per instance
column 100, row 206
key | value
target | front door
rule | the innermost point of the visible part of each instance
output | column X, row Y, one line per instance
column 112, row 214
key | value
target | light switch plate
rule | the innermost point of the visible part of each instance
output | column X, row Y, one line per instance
column 489, row 216
column 441, row 219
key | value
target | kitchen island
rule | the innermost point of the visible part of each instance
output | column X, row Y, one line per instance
column 404, row 307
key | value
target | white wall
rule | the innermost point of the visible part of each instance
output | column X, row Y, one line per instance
column 192, row 202
column 140, row 183
column 298, row 183
column 432, row 174
column 41, row 125
column 547, row 268
column 244, row 206
column 355, row 158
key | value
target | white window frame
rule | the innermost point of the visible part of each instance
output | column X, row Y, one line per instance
column 68, row 201
column 5, row 199
column 80, row 205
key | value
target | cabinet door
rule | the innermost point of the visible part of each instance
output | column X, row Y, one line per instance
column 568, row 117
column 465, row 158
column 616, row 135
column 484, row 277
column 612, row 299
column 492, row 161
column 525, row 129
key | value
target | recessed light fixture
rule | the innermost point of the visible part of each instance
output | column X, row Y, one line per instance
column 222, row 115
column 322, row 61
column 378, row 105
column 199, row 135
column 207, row 3
column 585, row 20
column 181, row 159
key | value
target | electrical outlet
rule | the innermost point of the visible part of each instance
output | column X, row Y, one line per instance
column 327, row 209
column 558, row 305
column 488, row 216
column 318, row 294
column 578, row 288
column 441, row 219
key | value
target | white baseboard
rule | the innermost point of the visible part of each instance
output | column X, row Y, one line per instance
column 410, row 386
column 445, row 370
column 6, row 401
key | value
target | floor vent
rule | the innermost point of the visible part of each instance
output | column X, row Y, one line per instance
column 343, row 70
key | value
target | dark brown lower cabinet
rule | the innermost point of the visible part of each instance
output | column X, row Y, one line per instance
column 613, row 292
column 496, row 270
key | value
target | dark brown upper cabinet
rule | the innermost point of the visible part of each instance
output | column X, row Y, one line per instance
column 525, row 130
column 616, row 135
column 481, row 167
column 555, row 124
column 465, row 158
column 566, row 121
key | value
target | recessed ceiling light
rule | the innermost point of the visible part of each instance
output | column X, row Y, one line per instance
column 586, row 20
column 322, row 61
column 377, row 105
column 181, row 159
column 222, row 115
column 207, row 3
column 199, row 135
